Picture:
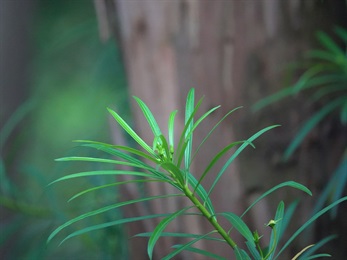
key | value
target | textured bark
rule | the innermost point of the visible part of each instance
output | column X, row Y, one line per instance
column 166, row 53
column 234, row 53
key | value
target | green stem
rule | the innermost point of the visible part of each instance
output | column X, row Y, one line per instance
column 209, row 217
column 273, row 246
column 260, row 251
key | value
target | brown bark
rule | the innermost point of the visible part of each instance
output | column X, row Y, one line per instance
column 166, row 53
column 234, row 53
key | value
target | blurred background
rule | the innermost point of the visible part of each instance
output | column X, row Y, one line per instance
column 64, row 62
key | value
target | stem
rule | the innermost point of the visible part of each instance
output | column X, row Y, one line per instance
column 273, row 246
column 260, row 251
column 209, row 217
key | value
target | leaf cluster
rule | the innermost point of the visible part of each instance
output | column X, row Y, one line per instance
column 169, row 162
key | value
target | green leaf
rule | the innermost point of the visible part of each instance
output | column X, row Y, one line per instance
column 241, row 254
column 182, row 142
column 98, row 173
column 181, row 235
column 99, row 160
column 306, row 82
column 201, row 252
column 317, row 246
column 329, row 43
column 272, row 98
column 189, row 123
column 334, row 188
column 252, row 249
column 136, row 152
column 174, row 171
column 129, row 158
column 292, row 184
column 288, row 214
column 307, row 76
column 160, row 228
column 317, row 256
column 131, row 132
column 99, row 146
column 110, row 185
column 237, row 152
column 215, row 160
column 340, row 184
column 110, row 224
column 310, row 124
column 104, row 209
column 309, row 222
column 188, row 141
column 171, row 128
column 149, row 116
column 212, row 130
column 274, row 239
column 165, row 146
column 187, row 245
column 239, row 225
column 328, row 89
column 331, row 59
column 197, row 123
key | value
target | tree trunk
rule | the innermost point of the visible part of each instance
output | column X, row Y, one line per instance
column 234, row 53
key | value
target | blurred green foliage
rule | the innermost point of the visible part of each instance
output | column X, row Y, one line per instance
column 74, row 78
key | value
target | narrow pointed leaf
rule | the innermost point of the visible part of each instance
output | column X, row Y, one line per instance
column 160, row 228
column 131, row 132
column 98, row 173
column 110, row 185
column 288, row 214
column 98, row 160
column 129, row 158
column 201, row 252
column 310, row 124
column 317, row 246
column 100, row 146
column 180, row 151
column 329, row 43
column 171, row 128
column 152, row 158
column 165, row 146
column 215, row 160
column 317, row 256
column 187, row 245
column 212, row 130
column 272, row 98
column 189, row 134
column 181, row 235
column 241, row 254
column 277, row 228
column 301, row 252
column 110, row 224
column 309, row 222
column 197, row 123
column 172, row 169
column 292, row 184
column 252, row 249
column 237, row 152
column 239, row 225
column 104, row 209
column 149, row 117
